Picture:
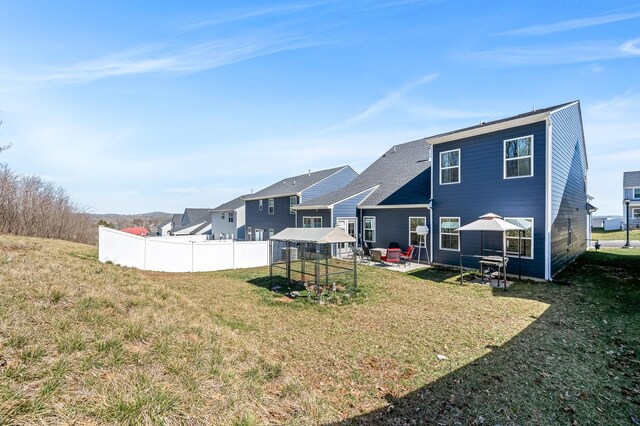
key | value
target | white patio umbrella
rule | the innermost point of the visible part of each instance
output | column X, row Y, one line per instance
column 491, row 222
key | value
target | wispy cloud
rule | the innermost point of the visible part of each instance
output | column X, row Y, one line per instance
column 247, row 14
column 554, row 54
column 571, row 24
column 389, row 101
column 178, row 58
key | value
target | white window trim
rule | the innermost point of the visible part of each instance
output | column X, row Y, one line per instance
column 533, row 227
column 293, row 198
column 270, row 233
column 447, row 233
column 364, row 229
column 271, row 206
column 249, row 233
column 415, row 217
column 633, row 192
column 451, row 167
column 312, row 218
column 504, row 157
column 256, row 232
column 633, row 213
column 260, row 205
column 230, row 217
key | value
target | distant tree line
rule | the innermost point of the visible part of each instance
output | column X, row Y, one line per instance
column 33, row 207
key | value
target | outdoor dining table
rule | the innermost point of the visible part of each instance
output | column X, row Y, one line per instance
column 377, row 253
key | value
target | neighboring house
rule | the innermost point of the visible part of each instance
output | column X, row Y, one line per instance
column 166, row 227
column 192, row 222
column 136, row 230
column 631, row 189
column 384, row 204
column 532, row 170
column 271, row 209
column 228, row 220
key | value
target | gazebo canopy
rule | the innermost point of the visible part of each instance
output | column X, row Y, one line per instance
column 314, row 235
column 490, row 222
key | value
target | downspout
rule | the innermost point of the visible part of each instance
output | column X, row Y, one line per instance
column 547, row 215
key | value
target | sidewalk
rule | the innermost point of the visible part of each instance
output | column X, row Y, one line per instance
column 617, row 243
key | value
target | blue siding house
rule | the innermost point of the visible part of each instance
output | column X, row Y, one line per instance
column 631, row 192
column 531, row 169
column 384, row 203
column 271, row 209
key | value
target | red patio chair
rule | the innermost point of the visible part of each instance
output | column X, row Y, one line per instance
column 405, row 256
column 392, row 256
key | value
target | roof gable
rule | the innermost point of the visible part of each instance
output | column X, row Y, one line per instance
column 631, row 179
column 400, row 176
column 294, row 184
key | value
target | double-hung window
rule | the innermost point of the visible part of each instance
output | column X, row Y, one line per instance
column 230, row 217
column 450, row 167
column 369, row 226
column 271, row 206
column 260, row 205
column 312, row 221
column 524, row 238
column 449, row 234
column 293, row 201
column 636, row 192
column 518, row 157
column 414, row 222
column 636, row 213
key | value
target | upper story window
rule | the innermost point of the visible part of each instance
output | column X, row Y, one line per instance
column 312, row 222
column 260, row 205
column 636, row 192
column 230, row 217
column 450, row 167
column 222, row 216
column 518, row 157
column 271, row 208
column 293, row 201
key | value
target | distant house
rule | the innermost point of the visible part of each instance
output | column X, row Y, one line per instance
column 228, row 220
column 631, row 192
column 384, row 204
column 192, row 222
column 271, row 209
column 136, row 230
column 173, row 222
column 532, row 170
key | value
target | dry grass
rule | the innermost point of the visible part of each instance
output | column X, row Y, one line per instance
column 92, row 343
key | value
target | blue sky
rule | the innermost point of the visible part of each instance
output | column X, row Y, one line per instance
column 142, row 106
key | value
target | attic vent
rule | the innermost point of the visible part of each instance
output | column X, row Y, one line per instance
column 294, row 182
column 309, row 172
column 284, row 182
column 394, row 148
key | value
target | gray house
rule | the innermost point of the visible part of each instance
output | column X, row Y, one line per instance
column 271, row 209
column 532, row 170
column 228, row 220
column 631, row 192
column 384, row 204
column 193, row 222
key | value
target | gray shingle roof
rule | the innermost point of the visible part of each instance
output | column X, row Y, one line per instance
column 231, row 205
column 195, row 215
column 401, row 174
column 502, row 120
column 631, row 179
column 294, row 184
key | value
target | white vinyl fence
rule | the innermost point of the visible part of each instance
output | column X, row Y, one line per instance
column 179, row 255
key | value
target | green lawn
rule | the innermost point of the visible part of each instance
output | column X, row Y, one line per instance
column 88, row 343
column 601, row 234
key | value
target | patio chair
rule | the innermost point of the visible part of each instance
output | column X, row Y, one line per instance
column 394, row 244
column 392, row 256
column 405, row 256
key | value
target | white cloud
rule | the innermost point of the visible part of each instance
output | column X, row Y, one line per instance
column 178, row 58
column 384, row 104
column 571, row 24
column 555, row 54
column 632, row 46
